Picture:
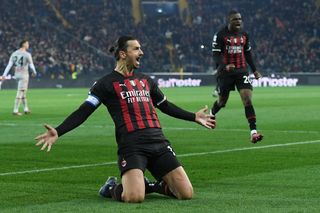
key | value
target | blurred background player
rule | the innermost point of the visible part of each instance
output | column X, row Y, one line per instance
column 21, row 60
column 131, row 98
column 231, row 52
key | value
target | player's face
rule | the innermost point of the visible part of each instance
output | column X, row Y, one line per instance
column 134, row 54
column 235, row 22
column 26, row 45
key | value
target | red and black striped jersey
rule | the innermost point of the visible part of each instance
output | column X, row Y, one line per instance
column 130, row 100
column 232, row 47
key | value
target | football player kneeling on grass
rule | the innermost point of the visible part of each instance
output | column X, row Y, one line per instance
column 131, row 98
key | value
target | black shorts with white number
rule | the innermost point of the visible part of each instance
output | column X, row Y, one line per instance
column 228, row 81
column 153, row 154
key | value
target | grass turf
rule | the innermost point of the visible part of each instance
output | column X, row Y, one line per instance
column 229, row 174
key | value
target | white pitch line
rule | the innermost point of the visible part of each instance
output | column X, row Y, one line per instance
column 249, row 148
column 182, row 155
column 57, row 168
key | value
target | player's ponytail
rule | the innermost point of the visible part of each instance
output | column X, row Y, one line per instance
column 120, row 45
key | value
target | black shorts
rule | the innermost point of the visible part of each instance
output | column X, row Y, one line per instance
column 227, row 82
column 159, row 159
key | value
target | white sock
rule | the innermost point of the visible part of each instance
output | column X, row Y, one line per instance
column 25, row 105
column 253, row 132
column 16, row 105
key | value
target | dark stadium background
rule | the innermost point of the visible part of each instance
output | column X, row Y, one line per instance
column 69, row 39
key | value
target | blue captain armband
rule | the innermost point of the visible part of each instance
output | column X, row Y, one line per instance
column 93, row 100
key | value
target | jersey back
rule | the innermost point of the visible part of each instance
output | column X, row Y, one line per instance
column 21, row 61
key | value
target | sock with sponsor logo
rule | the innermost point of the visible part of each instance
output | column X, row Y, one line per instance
column 251, row 116
column 160, row 187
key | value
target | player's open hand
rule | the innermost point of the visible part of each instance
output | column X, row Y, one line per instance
column 204, row 119
column 257, row 75
column 48, row 138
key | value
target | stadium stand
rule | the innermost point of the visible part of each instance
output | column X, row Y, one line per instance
column 70, row 38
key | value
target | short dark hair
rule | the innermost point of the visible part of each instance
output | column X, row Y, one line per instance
column 232, row 12
column 120, row 45
column 22, row 42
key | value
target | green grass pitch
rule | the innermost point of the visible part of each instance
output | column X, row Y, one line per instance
column 229, row 174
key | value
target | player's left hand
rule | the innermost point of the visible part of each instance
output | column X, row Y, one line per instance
column 48, row 138
column 257, row 75
column 204, row 119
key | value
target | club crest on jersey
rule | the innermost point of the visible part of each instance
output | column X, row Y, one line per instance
column 241, row 40
column 132, row 83
column 123, row 163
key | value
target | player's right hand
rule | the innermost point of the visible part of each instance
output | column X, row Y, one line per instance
column 48, row 138
column 230, row 67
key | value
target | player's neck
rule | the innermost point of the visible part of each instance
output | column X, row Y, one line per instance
column 233, row 30
column 123, row 69
column 23, row 49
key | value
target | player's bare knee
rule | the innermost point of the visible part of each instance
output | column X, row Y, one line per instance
column 186, row 194
column 133, row 197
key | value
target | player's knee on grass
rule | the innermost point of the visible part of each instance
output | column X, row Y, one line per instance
column 133, row 186
column 179, row 184
column 133, row 197
column 186, row 193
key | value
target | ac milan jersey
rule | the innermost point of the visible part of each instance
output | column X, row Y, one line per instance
column 232, row 47
column 130, row 100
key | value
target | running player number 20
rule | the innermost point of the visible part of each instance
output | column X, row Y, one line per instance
column 247, row 80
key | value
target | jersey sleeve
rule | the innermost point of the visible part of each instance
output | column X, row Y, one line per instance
column 217, row 49
column 156, row 94
column 8, row 67
column 217, row 43
column 95, row 95
column 247, row 46
column 31, row 64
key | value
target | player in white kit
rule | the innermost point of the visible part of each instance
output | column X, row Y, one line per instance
column 21, row 60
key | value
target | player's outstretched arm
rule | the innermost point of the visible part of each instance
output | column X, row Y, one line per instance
column 48, row 138
column 205, row 119
column 74, row 120
column 200, row 117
